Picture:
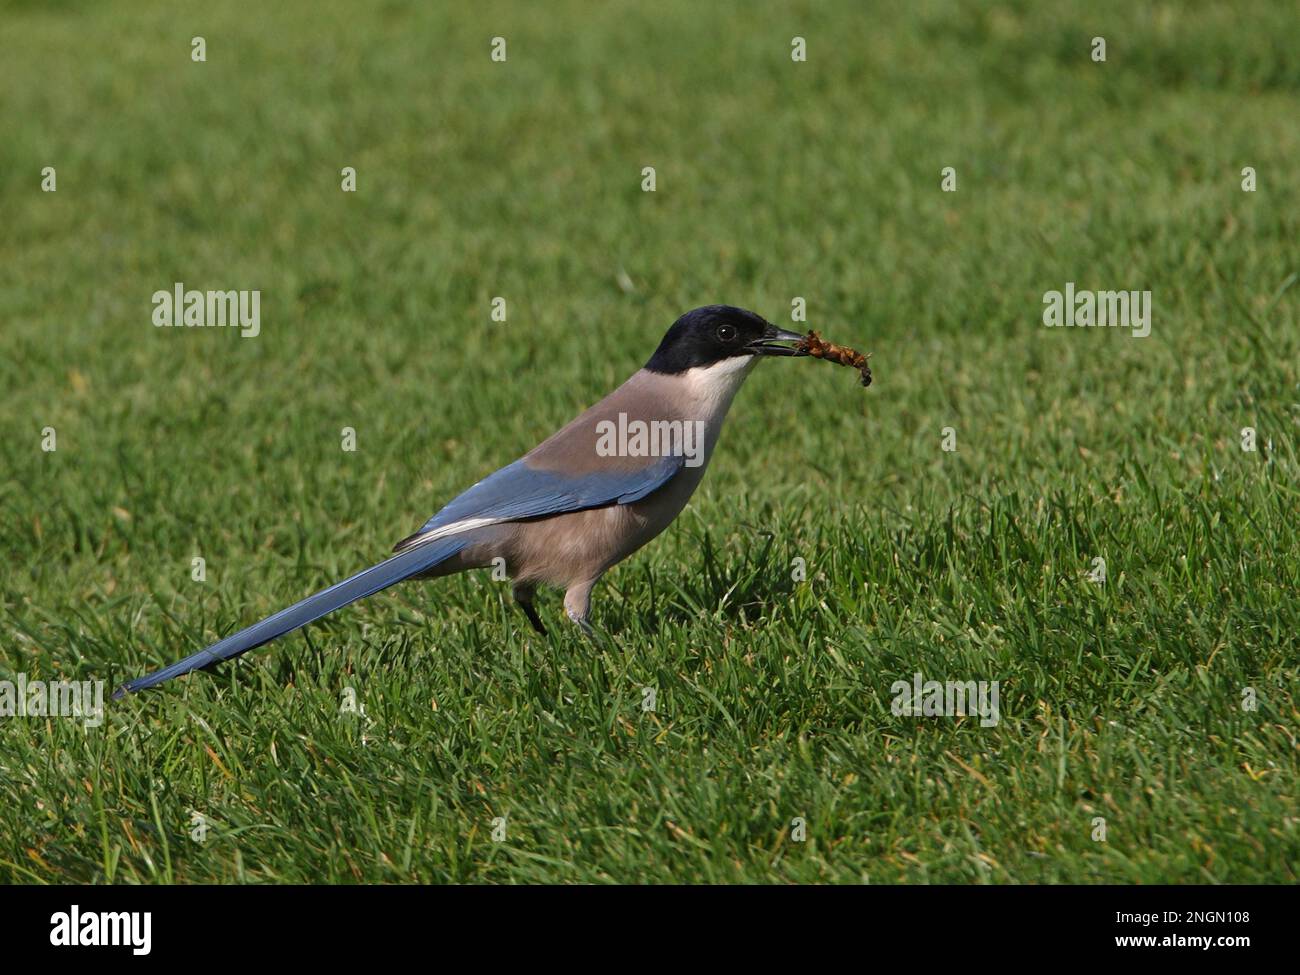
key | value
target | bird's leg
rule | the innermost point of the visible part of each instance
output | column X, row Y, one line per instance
column 577, row 605
column 524, row 597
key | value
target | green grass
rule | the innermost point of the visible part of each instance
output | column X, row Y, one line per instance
column 775, row 179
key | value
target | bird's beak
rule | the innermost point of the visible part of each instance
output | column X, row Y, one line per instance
column 767, row 345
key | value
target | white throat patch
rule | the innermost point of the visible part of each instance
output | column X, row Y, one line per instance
column 720, row 380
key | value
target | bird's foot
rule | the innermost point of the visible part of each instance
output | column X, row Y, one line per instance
column 524, row 594
column 598, row 639
column 531, row 612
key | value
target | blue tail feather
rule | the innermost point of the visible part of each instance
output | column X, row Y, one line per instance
column 365, row 583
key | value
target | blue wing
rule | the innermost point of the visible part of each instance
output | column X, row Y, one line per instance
column 519, row 491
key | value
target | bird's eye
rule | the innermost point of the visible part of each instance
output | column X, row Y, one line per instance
column 726, row 333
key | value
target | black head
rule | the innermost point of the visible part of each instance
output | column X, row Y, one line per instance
column 715, row 332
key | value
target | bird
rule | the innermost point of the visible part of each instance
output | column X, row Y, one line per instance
column 577, row 504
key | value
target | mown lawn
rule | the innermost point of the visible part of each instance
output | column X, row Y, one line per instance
column 1124, row 701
